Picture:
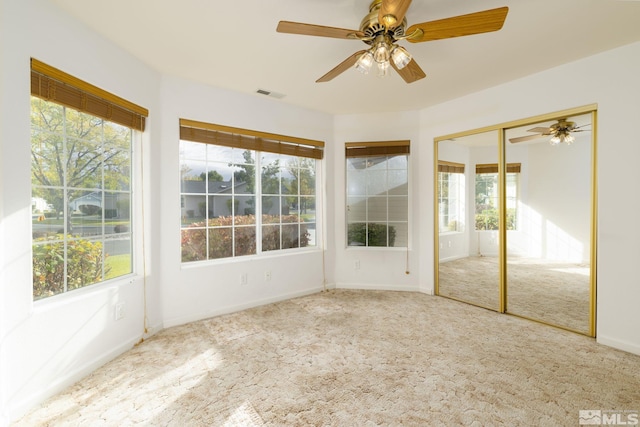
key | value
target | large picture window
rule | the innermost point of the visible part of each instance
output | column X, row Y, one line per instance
column 487, row 196
column 451, row 190
column 245, row 192
column 377, row 193
column 81, row 182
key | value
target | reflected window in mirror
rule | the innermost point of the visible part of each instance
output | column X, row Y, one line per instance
column 487, row 196
column 451, row 190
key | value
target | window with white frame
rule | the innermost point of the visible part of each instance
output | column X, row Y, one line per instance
column 245, row 192
column 81, row 163
column 451, row 191
column 487, row 196
column 377, row 193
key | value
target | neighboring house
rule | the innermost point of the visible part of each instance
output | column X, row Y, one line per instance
column 40, row 205
column 219, row 198
column 94, row 199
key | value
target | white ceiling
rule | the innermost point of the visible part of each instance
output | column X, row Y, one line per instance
column 234, row 45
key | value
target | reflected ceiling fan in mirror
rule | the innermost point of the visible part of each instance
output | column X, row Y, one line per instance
column 561, row 131
column 384, row 27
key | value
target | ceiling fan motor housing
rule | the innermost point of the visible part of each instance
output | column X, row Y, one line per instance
column 371, row 27
column 563, row 126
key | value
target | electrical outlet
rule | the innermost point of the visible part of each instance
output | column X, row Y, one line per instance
column 244, row 279
column 119, row 311
column 267, row 276
column 357, row 264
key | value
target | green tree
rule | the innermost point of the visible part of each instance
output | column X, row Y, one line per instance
column 78, row 151
column 304, row 181
column 211, row 176
column 246, row 172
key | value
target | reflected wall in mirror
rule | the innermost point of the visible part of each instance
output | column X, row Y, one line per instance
column 468, row 234
column 549, row 247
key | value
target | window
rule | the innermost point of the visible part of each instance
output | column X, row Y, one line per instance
column 451, row 190
column 377, row 194
column 487, row 196
column 81, row 182
column 245, row 192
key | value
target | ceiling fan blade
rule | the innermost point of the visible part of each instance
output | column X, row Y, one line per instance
column 392, row 12
column 341, row 68
column 457, row 26
column 525, row 138
column 317, row 30
column 411, row 72
column 541, row 130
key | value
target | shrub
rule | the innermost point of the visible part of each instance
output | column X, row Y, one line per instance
column 84, row 265
column 488, row 219
column 359, row 233
column 220, row 233
column 90, row 209
column 121, row 228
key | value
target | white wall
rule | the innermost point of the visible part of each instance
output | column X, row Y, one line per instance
column 379, row 268
column 555, row 200
column 200, row 290
column 49, row 344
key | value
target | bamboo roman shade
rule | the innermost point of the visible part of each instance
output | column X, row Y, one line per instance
column 54, row 85
column 209, row 133
column 376, row 148
column 493, row 168
column 450, row 167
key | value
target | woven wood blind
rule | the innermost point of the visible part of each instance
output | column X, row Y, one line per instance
column 209, row 133
column 450, row 167
column 54, row 85
column 493, row 168
column 376, row 148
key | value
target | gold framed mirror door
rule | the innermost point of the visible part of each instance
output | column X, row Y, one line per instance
column 468, row 267
column 515, row 218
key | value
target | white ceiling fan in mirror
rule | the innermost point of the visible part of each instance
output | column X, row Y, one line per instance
column 560, row 132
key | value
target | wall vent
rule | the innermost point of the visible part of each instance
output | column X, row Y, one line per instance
column 270, row 93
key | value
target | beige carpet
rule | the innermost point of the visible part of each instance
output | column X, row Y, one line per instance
column 554, row 292
column 353, row 358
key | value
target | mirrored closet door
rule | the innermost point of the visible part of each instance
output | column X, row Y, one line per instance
column 515, row 218
column 549, row 215
column 469, row 226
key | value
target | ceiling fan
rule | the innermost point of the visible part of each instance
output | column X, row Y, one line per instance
column 560, row 132
column 385, row 25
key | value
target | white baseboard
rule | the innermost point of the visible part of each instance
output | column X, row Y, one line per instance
column 378, row 287
column 19, row 409
column 619, row 344
column 182, row 320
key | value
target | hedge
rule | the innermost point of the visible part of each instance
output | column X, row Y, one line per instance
column 84, row 265
column 221, row 235
column 363, row 234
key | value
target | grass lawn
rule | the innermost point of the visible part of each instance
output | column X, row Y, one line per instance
column 120, row 265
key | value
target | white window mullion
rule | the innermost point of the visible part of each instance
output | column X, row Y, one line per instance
column 258, row 201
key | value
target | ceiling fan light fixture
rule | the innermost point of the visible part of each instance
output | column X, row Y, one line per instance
column 365, row 62
column 562, row 136
column 400, row 57
column 383, row 68
column 381, row 52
